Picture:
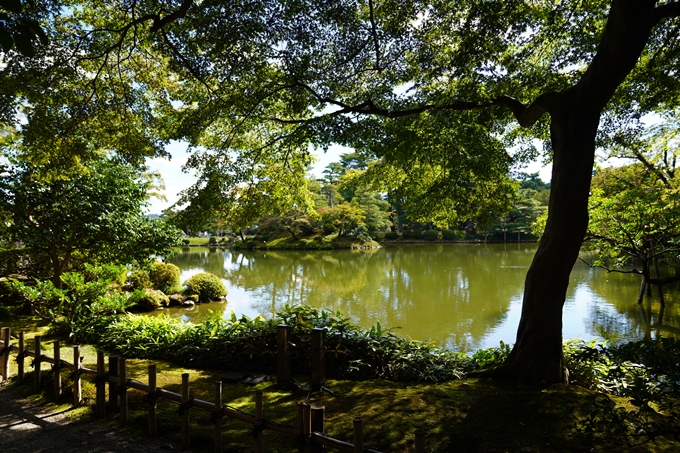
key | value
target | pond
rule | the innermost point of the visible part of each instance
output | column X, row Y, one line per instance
column 460, row 296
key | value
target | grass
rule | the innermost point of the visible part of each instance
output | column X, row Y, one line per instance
column 468, row 415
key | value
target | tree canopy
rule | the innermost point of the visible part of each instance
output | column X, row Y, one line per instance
column 437, row 91
column 95, row 216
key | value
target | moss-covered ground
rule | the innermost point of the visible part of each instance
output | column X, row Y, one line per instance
column 468, row 415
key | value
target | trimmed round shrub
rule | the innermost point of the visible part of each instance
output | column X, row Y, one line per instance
column 139, row 279
column 165, row 277
column 449, row 235
column 207, row 286
column 212, row 240
column 406, row 234
column 416, row 234
column 431, row 235
column 391, row 235
column 148, row 299
column 186, row 241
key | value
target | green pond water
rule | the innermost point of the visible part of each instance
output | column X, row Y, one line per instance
column 460, row 296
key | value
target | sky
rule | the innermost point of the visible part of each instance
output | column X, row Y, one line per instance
column 176, row 180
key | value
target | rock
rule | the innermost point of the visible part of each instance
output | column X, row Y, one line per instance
column 177, row 300
column 51, row 427
column 188, row 304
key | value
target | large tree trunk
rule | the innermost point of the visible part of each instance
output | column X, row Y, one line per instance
column 575, row 114
column 537, row 355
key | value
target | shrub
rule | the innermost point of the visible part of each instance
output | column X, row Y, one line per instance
column 392, row 235
column 207, row 286
column 186, row 241
column 449, row 235
column 114, row 273
column 416, row 234
column 212, row 240
column 165, row 277
column 139, row 279
column 406, row 234
column 431, row 235
column 148, row 299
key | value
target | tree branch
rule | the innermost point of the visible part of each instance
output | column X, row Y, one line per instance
column 180, row 13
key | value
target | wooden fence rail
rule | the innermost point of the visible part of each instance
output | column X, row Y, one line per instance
column 309, row 427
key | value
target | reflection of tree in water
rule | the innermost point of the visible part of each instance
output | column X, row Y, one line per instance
column 630, row 320
column 461, row 290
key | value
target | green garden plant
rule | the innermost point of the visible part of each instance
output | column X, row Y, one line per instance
column 165, row 277
column 208, row 287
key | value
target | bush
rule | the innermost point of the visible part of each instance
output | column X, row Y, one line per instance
column 139, row 279
column 416, row 234
column 212, row 240
column 406, row 234
column 186, row 241
column 431, row 235
column 148, row 299
column 391, row 235
column 207, row 286
column 165, row 277
column 449, row 235
column 114, row 273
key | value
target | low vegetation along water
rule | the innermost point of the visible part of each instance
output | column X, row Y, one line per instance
column 461, row 296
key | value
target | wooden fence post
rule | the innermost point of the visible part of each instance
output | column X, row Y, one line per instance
column 36, row 364
column 153, row 402
column 318, row 415
column 20, row 357
column 217, row 433
column 184, row 408
column 113, row 387
column 318, row 359
column 307, row 427
column 420, row 441
column 101, row 385
column 283, row 352
column 122, row 390
column 4, row 354
column 358, row 436
column 300, row 427
column 258, row 421
column 57, row 370
column 77, row 385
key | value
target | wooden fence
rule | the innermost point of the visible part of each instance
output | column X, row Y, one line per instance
column 308, row 430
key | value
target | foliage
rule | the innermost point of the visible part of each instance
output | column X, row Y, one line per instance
column 450, row 235
column 251, row 344
column 139, row 279
column 79, row 298
column 148, row 299
column 635, row 221
column 431, row 235
column 96, row 214
column 392, row 235
column 212, row 240
column 645, row 372
column 165, row 277
column 208, row 287
column 343, row 219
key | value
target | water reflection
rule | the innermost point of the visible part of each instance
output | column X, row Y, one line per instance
column 462, row 297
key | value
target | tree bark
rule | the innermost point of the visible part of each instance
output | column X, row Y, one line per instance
column 575, row 113
column 537, row 355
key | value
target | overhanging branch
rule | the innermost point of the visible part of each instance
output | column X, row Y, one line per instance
column 526, row 116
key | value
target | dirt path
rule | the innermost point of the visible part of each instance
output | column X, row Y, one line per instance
column 29, row 428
